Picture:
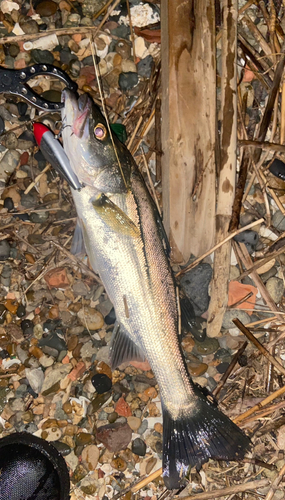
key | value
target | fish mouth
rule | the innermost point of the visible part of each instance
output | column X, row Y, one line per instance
column 77, row 111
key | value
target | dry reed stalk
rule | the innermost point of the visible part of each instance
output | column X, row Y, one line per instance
column 258, row 345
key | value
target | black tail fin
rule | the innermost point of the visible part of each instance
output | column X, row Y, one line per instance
column 202, row 432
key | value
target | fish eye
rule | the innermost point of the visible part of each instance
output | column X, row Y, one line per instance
column 100, row 131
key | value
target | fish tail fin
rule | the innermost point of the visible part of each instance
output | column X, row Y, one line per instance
column 198, row 433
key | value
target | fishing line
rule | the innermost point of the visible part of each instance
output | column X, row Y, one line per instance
column 104, row 109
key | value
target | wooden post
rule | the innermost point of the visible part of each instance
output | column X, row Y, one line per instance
column 188, row 125
column 226, row 190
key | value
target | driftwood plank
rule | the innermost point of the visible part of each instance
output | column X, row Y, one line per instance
column 188, row 125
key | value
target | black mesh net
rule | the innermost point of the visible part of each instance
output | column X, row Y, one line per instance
column 29, row 473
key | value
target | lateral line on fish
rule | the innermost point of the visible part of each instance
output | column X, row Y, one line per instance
column 105, row 111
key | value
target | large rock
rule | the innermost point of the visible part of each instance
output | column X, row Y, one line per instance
column 195, row 284
column 115, row 436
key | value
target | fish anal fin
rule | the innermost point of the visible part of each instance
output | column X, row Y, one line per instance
column 123, row 348
column 114, row 217
column 199, row 433
column 77, row 244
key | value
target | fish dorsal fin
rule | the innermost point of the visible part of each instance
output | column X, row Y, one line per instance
column 114, row 217
column 77, row 244
column 123, row 348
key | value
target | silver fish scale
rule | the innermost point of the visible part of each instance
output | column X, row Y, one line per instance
column 135, row 272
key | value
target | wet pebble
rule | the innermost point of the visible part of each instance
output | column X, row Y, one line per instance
column 97, row 402
column 128, row 80
column 28, row 200
column 8, row 163
column 30, row 27
column 21, row 311
column 112, row 417
column 234, row 313
column 105, row 307
column 54, row 341
column 39, row 217
column 63, row 448
column 35, row 239
column 28, row 327
column 90, row 457
column 124, row 49
column 197, row 369
column 268, row 274
column 35, row 378
column 275, row 287
column 4, row 354
column 79, row 473
column 143, row 427
column 111, row 317
column 50, row 351
column 4, row 250
column 42, row 56
column 21, row 390
column 278, row 220
column 22, row 108
column 222, row 367
column 144, row 66
column 52, row 95
column 195, row 284
column 46, row 8
column 115, row 436
column 101, row 382
column 10, row 140
column 119, row 464
column 91, row 318
column 6, row 275
column 208, row 346
column 128, row 66
column 249, row 238
column 83, row 438
column 26, row 140
column 80, row 288
column 134, row 423
column 2, row 125
column 223, row 355
column 54, row 377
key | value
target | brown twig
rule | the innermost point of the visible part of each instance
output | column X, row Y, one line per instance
column 231, row 490
column 259, row 463
column 268, row 146
column 35, row 36
column 264, row 413
column 131, row 30
column 229, row 369
column 260, row 263
column 259, row 346
column 270, row 102
column 147, row 480
column 260, row 405
column 247, row 262
column 77, row 261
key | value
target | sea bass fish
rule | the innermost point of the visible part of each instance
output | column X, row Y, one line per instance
column 122, row 236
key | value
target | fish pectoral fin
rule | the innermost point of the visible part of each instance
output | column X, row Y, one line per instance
column 77, row 244
column 114, row 217
column 81, row 246
column 123, row 348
